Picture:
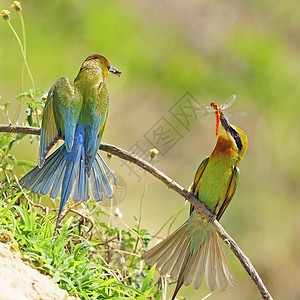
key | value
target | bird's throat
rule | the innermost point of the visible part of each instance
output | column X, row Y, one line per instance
column 223, row 147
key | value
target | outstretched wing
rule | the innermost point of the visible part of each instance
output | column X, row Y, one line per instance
column 230, row 192
column 60, row 117
column 95, row 115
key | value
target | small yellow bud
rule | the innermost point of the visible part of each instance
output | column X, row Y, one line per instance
column 153, row 153
column 5, row 14
column 17, row 6
column 108, row 155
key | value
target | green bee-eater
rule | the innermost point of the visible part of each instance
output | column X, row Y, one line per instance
column 195, row 247
column 77, row 113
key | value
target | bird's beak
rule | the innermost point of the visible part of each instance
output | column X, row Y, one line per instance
column 114, row 70
column 225, row 123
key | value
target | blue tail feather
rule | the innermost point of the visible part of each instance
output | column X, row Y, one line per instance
column 57, row 182
column 105, row 173
column 95, row 185
column 32, row 177
column 66, row 172
column 45, row 181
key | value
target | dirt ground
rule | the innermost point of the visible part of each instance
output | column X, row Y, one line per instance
column 19, row 281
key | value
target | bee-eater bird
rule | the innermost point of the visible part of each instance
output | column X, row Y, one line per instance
column 77, row 113
column 195, row 247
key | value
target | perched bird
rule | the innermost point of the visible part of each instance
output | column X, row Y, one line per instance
column 77, row 113
column 195, row 247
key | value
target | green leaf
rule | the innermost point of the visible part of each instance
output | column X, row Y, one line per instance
column 148, row 279
column 11, row 203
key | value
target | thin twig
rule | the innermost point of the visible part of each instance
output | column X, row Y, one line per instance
column 246, row 263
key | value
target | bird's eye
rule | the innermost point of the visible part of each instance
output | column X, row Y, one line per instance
column 236, row 138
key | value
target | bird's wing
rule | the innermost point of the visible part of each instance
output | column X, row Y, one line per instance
column 95, row 119
column 230, row 191
column 198, row 175
column 60, row 117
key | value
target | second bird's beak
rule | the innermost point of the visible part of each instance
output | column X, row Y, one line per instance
column 114, row 70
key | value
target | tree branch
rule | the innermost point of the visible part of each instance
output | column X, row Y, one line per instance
column 19, row 129
column 246, row 263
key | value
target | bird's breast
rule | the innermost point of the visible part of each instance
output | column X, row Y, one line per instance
column 213, row 184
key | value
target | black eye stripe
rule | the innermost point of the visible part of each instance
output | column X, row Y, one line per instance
column 236, row 138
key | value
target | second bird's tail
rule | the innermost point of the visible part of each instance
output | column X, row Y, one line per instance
column 65, row 172
column 189, row 252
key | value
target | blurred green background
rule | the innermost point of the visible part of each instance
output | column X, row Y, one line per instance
column 210, row 49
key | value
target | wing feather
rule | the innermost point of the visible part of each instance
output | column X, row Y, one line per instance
column 60, row 117
column 230, row 192
column 95, row 116
column 194, row 187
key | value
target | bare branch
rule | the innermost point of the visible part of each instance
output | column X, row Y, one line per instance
column 246, row 263
column 19, row 129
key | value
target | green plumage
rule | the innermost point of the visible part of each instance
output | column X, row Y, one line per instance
column 195, row 246
column 77, row 113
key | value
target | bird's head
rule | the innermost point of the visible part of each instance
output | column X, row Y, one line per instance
column 231, row 139
column 100, row 63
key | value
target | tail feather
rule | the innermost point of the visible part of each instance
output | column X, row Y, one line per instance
column 160, row 254
column 200, row 267
column 81, row 185
column 37, row 175
column 210, row 274
column 173, row 262
column 66, row 172
column 181, row 277
column 220, row 275
column 181, row 257
column 105, row 173
column 193, row 261
column 58, row 179
column 46, row 180
column 52, row 173
column 67, row 185
column 30, row 178
column 225, row 263
column 180, row 260
column 168, row 261
column 73, row 161
column 95, row 183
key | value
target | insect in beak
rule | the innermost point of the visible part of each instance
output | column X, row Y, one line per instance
column 114, row 71
column 220, row 117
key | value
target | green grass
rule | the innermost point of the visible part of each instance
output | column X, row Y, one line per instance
column 101, row 263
